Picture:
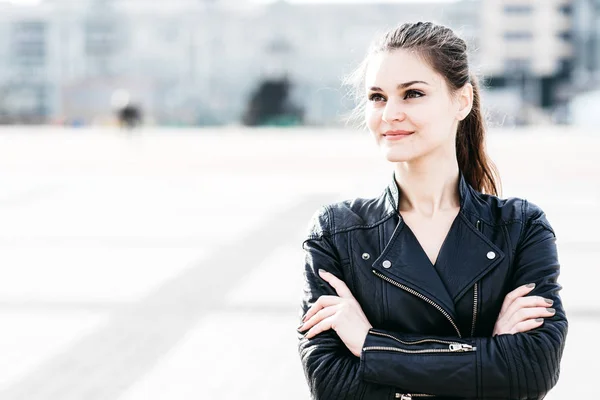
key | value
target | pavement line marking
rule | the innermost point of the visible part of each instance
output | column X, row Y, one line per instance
column 104, row 364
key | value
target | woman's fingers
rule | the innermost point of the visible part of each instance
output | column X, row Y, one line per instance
column 525, row 314
column 522, row 320
column 322, row 326
column 519, row 292
column 326, row 301
column 521, row 313
column 322, row 302
column 526, row 302
column 527, row 325
column 318, row 317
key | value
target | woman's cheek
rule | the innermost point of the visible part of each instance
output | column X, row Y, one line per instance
column 373, row 119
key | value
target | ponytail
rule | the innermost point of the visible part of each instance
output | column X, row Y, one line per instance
column 477, row 168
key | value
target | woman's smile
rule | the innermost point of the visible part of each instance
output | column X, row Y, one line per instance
column 397, row 135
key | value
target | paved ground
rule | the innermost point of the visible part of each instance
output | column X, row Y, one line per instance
column 129, row 264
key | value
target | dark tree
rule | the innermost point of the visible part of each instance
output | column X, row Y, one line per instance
column 270, row 103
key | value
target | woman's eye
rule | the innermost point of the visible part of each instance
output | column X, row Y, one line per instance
column 413, row 94
column 376, row 97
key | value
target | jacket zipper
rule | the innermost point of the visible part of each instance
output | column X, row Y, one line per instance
column 419, row 295
column 475, row 294
column 453, row 348
column 475, row 300
column 417, row 341
column 410, row 396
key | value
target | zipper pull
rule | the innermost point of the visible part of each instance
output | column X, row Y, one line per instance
column 462, row 347
column 403, row 396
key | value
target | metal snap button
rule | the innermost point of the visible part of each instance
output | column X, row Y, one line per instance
column 387, row 264
column 491, row 255
column 366, row 256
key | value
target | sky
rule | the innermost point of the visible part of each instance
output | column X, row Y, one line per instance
column 23, row 2
column 357, row 1
column 289, row 1
column 34, row 2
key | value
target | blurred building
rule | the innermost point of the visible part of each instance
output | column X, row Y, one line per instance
column 584, row 91
column 528, row 50
column 24, row 65
column 198, row 61
column 189, row 61
column 64, row 59
column 586, row 37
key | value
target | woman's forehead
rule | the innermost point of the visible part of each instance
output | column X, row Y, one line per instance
column 396, row 67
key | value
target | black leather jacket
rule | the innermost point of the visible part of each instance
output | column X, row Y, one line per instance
column 433, row 325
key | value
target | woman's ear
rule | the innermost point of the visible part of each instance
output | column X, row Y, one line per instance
column 465, row 101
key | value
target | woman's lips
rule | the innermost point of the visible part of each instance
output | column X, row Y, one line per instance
column 396, row 135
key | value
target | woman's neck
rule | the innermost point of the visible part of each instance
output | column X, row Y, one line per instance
column 428, row 189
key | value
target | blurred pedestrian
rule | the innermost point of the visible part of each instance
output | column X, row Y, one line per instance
column 438, row 287
column 129, row 115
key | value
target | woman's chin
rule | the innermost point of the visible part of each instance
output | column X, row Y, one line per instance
column 393, row 155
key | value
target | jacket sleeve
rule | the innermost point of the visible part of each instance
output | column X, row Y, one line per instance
column 331, row 370
column 520, row 366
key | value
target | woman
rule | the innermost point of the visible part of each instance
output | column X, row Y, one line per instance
column 437, row 288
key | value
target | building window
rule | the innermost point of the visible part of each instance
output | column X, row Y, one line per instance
column 566, row 9
column 517, row 66
column 566, row 36
column 29, row 43
column 518, row 35
column 100, row 37
column 518, row 9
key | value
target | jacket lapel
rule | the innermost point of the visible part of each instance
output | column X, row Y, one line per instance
column 467, row 255
column 403, row 261
column 464, row 258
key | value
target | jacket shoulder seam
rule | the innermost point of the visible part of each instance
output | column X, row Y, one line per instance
column 535, row 221
column 498, row 224
column 333, row 232
column 524, row 219
column 363, row 226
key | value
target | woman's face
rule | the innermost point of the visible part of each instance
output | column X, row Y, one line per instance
column 409, row 109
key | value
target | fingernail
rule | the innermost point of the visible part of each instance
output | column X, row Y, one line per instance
column 322, row 271
column 530, row 285
column 551, row 310
column 539, row 319
column 549, row 301
column 300, row 326
column 304, row 319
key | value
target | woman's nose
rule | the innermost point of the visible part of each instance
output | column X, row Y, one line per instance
column 393, row 111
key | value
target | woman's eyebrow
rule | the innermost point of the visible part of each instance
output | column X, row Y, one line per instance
column 400, row 86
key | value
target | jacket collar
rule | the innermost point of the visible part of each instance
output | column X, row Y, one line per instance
column 464, row 189
column 465, row 257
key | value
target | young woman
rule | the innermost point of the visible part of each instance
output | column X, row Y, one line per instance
column 437, row 288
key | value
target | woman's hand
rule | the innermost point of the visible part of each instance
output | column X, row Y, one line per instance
column 521, row 313
column 342, row 314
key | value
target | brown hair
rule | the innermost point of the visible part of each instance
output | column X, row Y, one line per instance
column 446, row 53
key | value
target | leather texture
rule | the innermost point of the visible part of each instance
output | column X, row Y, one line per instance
column 418, row 310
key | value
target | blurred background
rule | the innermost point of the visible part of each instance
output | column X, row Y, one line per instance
column 160, row 162
column 221, row 62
